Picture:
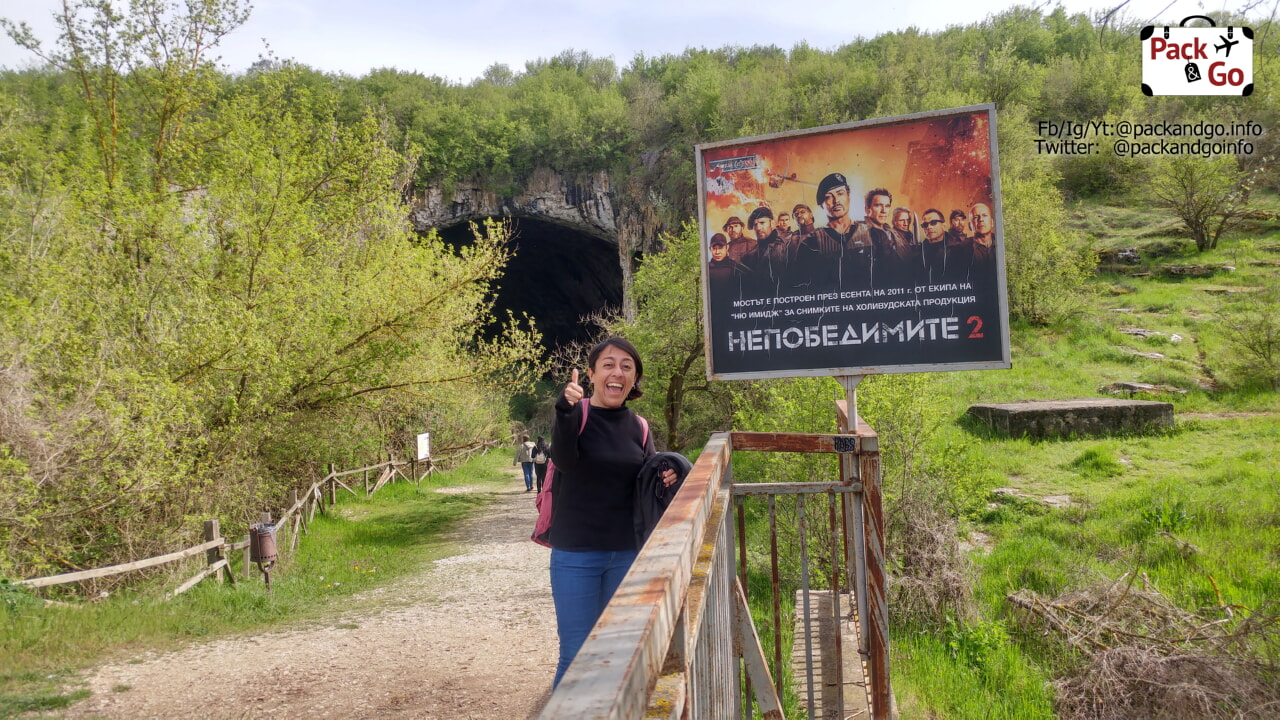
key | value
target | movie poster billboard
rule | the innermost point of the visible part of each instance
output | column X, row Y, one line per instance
column 870, row 247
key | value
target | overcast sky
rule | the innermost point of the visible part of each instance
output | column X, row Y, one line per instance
column 458, row 39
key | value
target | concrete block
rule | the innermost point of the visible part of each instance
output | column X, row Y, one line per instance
column 1096, row 417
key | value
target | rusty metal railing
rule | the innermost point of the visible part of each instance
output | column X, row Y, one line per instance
column 677, row 640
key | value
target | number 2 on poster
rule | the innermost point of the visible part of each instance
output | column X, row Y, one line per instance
column 976, row 323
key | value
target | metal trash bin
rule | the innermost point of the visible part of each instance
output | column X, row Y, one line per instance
column 262, row 543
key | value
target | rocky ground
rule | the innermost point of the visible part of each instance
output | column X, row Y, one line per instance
column 473, row 638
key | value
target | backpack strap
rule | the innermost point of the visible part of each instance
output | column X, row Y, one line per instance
column 586, row 407
column 644, row 435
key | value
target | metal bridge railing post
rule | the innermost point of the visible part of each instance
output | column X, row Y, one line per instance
column 877, row 602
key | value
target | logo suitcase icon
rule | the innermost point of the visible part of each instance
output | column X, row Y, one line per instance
column 1197, row 60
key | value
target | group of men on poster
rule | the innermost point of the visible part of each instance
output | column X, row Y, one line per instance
column 778, row 252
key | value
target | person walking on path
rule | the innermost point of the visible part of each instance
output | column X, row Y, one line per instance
column 541, row 453
column 524, row 456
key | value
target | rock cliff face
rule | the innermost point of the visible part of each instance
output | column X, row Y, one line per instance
column 585, row 206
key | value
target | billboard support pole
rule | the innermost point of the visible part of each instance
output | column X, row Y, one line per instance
column 858, row 548
column 850, row 384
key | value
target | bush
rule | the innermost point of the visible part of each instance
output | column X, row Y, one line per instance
column 1251, row 328
column 1209, row 195
column 16, row 598
column 1046, row 272
column 1100, row 173
column 974, row 643
column 927, row 485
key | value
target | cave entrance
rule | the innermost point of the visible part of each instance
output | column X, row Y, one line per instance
column 556, row 275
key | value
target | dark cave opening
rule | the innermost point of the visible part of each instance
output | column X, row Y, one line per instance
column 556, row 275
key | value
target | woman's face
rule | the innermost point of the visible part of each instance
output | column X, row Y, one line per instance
column 613, row 376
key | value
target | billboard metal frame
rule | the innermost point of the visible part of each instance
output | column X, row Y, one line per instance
column 743, row 162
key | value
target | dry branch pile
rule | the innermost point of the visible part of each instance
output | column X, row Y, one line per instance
column 1147, row 658
column 927, row 579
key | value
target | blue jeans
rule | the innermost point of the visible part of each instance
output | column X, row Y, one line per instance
column 581, row 585
column 528, row 475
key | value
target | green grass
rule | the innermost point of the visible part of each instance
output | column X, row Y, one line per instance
column 948, row 675
column 1196, row 509
column 366, row 543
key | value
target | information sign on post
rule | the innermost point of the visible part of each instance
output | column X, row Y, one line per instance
column 855, row 249
column 424, row 446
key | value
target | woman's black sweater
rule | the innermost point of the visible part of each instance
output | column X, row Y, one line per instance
column 594, row 487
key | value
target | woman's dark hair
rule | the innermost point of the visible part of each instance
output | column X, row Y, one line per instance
column 625, row 346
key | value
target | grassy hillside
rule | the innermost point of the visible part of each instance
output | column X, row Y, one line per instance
column 1158, row 556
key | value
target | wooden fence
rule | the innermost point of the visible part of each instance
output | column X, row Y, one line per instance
column 292, row 523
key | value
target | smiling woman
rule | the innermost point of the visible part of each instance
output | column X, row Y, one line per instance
column 598, row 452
column 615, row 375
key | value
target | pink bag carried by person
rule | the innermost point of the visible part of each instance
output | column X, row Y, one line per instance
column 543, row 502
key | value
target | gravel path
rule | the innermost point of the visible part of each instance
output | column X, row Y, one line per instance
column 476, row 641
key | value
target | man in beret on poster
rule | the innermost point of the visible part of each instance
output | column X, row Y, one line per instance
column 804, row 220
column 739, row 244
column 959, row 248
column 728, row 278
column 838, row 255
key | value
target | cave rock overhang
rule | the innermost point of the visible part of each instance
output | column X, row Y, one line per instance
column 557, row 274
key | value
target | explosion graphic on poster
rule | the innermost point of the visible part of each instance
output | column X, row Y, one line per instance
column 873, row 248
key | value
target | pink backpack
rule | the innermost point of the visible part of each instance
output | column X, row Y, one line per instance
column 543, row 502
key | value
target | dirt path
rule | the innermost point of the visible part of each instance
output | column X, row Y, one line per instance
column 476, row 641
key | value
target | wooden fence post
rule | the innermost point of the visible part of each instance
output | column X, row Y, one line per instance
column 294, row 521
column 248, row 573
column 333, row 487
column 213, row 555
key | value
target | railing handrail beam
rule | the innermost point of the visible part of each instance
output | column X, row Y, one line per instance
column 843, row 443
column 370, row 467
column 117, row 569
column 795, row 488
column 617, row 667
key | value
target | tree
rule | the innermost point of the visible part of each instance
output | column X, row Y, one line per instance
column 668, row 332
column 1209, row 195
column 209, row 290
column 1045, row 270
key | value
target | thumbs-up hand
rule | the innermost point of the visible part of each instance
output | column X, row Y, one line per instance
column 572, row 390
